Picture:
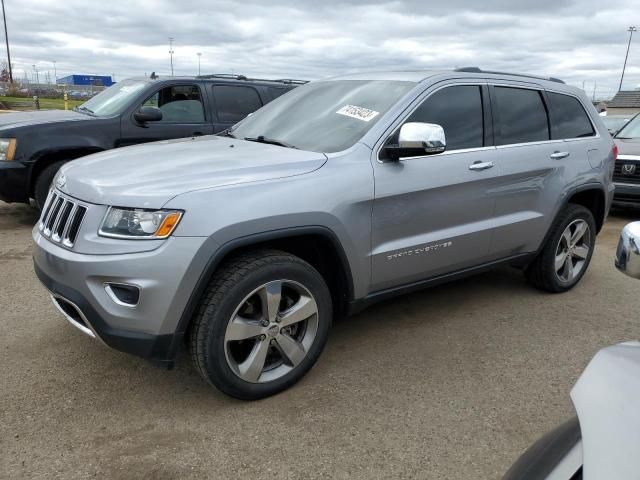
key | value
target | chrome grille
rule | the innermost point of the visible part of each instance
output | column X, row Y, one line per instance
column 61, row 219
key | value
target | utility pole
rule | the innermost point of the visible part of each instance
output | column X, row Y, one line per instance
column 171, row 52
column 55, row 72
column 37, row 76
column 199, row 55
column 6, row 37
column 630, row 30
column 595, row 85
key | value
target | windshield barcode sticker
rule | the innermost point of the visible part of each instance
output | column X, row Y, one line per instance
column 360, row 113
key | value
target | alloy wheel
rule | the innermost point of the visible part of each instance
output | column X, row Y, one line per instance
column 271, row 331
column 572, row 251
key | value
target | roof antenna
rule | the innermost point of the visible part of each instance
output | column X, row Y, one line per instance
column 153, row 76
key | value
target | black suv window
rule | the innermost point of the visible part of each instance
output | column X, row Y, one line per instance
column 179, row 104
column 568, row 118
column 235, row 102
column 458, row 110
column 522, row 116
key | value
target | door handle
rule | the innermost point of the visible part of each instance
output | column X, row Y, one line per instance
column 481, row 165
column 559, row 155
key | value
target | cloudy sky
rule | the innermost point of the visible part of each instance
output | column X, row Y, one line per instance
column 577, row 40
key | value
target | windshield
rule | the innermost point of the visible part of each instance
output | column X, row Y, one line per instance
column 114, row 99
column 323, row 116
column 631, row 129
column 614, row 123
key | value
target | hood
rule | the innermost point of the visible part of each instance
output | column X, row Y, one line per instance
column 148, row 176
column 628, row 146
column 606, row 400
column 22, row 119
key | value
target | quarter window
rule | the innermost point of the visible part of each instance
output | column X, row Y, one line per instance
column 234, row 103
column 179, row 104
column 522, row 116
column 568, row 118
column 458, row 110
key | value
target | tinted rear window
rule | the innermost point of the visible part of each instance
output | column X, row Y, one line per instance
column 568, row 118
column 522, row 116
column 233, row 103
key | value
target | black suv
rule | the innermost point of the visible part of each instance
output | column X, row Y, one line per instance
column 34, row 145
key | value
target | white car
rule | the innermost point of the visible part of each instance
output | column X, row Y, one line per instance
column 603, row 441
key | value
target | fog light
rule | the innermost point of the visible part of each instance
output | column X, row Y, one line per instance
column 123, row 294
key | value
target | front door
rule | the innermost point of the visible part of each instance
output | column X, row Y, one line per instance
column 183, row 115
column 433, row 214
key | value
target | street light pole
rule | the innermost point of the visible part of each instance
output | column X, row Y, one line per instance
column 171, row 52
column 55, row 72
column 6, row 37
column 37, row 76
column 630, row 30
column 199, row 55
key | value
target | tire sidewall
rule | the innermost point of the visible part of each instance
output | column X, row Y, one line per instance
column 217, row 368
column 577, row 213
column 43, row 183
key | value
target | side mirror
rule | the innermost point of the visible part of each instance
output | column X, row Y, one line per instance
column 148, row 114
column 418, row 139
column 628, row 252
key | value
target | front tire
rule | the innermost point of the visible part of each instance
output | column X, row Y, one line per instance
column 262, row 324
column 43, row 183
column 567, row 253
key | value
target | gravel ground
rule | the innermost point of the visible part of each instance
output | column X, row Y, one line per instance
column 453, row 382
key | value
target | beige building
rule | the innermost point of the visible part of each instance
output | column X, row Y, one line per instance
column 624, row 103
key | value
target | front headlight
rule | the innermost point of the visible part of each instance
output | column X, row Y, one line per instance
column 138, row 223
column 7, row 148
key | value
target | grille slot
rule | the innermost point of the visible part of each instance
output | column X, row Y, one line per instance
column 61, row 219
column 620, row 176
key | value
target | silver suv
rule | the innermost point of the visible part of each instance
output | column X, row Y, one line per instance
column 338, row 194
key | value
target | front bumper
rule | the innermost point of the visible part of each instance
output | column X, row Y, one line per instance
column 626, row 194
column 164, row 276
column 13, row 182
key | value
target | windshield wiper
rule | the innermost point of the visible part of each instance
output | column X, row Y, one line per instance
column 85, row 109
column 270, row 141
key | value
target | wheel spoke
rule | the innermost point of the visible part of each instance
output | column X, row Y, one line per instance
column 566, row 236
column 560, row 260
column 252, row 367
column 292, row 350
column 581, row 252
column 241, row 329
column 581, row 229
column 270, row 298
column 303, row 309
column 567, row 272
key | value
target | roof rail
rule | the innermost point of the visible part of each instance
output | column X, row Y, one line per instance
column 288, row 81
column 223, row 75
column 479, row 70
column 291, row 81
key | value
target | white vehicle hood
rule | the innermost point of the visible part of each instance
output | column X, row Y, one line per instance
column 607, row 400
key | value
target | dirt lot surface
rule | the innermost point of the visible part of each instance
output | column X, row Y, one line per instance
column 453, row 382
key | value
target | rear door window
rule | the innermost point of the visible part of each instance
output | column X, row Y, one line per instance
column 235, row 102
column 522, row 116
column 568, row 118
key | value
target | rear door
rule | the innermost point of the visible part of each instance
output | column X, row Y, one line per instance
column 535, row 165
column 233, row 103
column 183, row 115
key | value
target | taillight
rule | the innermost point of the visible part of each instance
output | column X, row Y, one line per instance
column 614, row 151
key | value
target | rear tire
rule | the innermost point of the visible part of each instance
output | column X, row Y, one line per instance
column 262, row 324
column 43, row 183
column 567, row 253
